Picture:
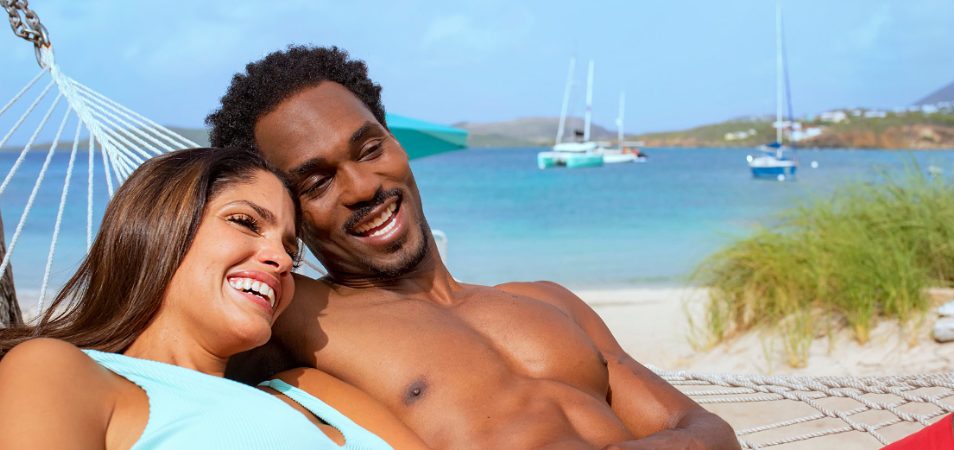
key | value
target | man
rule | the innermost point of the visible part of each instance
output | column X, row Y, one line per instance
column 519, row 365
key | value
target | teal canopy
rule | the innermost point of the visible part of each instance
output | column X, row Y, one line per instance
column 420, row 138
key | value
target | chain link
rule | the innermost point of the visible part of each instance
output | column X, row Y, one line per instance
column 28, row 26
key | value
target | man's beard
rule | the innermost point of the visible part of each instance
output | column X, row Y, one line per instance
column 408, row 258
column 408, row 261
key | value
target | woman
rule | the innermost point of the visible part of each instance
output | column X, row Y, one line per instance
column 192, row 265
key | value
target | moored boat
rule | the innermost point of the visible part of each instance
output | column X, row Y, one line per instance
column 573, row 154
column 777, row 160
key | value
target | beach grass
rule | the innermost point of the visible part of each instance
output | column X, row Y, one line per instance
column 865, row 254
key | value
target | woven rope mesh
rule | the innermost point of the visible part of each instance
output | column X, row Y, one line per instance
column 820, row 412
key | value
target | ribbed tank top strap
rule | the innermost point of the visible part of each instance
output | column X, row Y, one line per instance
column 143, row 372
column 356, row 437
column 153, row 378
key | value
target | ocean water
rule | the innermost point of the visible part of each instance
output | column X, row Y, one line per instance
column 629, row 224
column 625, row 224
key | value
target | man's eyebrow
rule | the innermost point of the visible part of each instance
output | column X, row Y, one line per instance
column 265, row 214
column 313, row 164
column 307, row 167
column 361, row 131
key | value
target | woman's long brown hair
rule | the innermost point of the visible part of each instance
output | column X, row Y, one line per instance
column 147, row 229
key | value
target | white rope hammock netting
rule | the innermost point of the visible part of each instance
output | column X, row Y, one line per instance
column 122, row 138
column 766, row 411
column 783, row 412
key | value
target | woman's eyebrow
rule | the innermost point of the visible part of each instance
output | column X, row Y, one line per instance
column 265, row 214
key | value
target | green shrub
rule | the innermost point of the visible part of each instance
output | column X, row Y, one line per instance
column 866, row 253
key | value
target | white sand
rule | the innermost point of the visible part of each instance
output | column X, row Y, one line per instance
column 651, row 324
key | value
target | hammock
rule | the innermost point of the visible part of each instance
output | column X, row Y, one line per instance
column 819, row 407
column 121, row 139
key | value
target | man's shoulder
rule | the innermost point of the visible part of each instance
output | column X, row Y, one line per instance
column 307, row 283
column 309, row 291
column 547, row 291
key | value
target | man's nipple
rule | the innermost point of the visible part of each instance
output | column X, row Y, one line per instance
column 415, row 391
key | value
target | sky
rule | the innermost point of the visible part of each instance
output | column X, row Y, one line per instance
column 681, row 63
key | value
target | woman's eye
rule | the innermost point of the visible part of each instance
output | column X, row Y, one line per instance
column 246, row 221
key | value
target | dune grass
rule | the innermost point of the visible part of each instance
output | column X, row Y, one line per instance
column 866, row 253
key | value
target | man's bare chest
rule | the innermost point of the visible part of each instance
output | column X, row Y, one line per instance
column 471, row 345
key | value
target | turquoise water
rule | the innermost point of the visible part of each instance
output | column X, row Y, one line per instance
column 507, row 220
column 620, row 224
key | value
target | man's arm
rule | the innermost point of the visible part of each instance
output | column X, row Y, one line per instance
column 655, row 411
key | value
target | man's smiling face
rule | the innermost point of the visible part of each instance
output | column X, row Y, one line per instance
column 362, row 210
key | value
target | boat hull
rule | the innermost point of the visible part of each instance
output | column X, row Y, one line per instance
column 770, row 167
column 618, row 158
column 774, row 172
column 547, row 160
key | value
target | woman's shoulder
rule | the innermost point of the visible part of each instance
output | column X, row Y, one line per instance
column 44, row 381
column 41, row 352
column 46, row 361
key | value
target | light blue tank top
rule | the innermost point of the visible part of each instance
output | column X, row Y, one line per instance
column 192, row 410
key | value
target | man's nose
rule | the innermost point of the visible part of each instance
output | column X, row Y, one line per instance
column 359, row 184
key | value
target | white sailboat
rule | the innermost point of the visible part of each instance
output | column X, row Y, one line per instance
column 621, row 154
column 777, row 160
column 573, row 154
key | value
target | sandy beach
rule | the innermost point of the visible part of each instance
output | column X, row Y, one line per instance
column 651, row 324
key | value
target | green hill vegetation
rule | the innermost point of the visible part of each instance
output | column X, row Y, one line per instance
column 904, row 130
column 913, row 130
column 867, row 253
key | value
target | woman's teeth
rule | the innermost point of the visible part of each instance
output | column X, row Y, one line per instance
column 378, row 221
column 255, row 287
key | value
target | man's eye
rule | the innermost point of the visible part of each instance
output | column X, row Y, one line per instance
column 372, row 151
column 246, row 221
column 315, row 186
column 296, row 256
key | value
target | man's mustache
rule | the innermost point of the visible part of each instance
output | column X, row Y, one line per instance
column 365, row 208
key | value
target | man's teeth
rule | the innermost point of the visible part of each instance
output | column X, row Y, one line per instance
column 378, row 221
column 254, row 286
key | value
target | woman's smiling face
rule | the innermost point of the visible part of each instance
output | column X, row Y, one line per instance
column 236, row 278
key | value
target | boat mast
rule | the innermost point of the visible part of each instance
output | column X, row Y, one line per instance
column 788, row 86
column 779, row 68
column 619, row 119
column 566, row 101
column 589, row 103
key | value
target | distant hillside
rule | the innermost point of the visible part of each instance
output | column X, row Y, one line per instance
column 944, row 94
column 756, row 131
column 904, row 130
column 526, row 132
column 198, row 135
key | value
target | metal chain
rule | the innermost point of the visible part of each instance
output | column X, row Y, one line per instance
column 27, row 27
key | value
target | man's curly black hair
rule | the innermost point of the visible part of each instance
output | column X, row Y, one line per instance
column 278, row 76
